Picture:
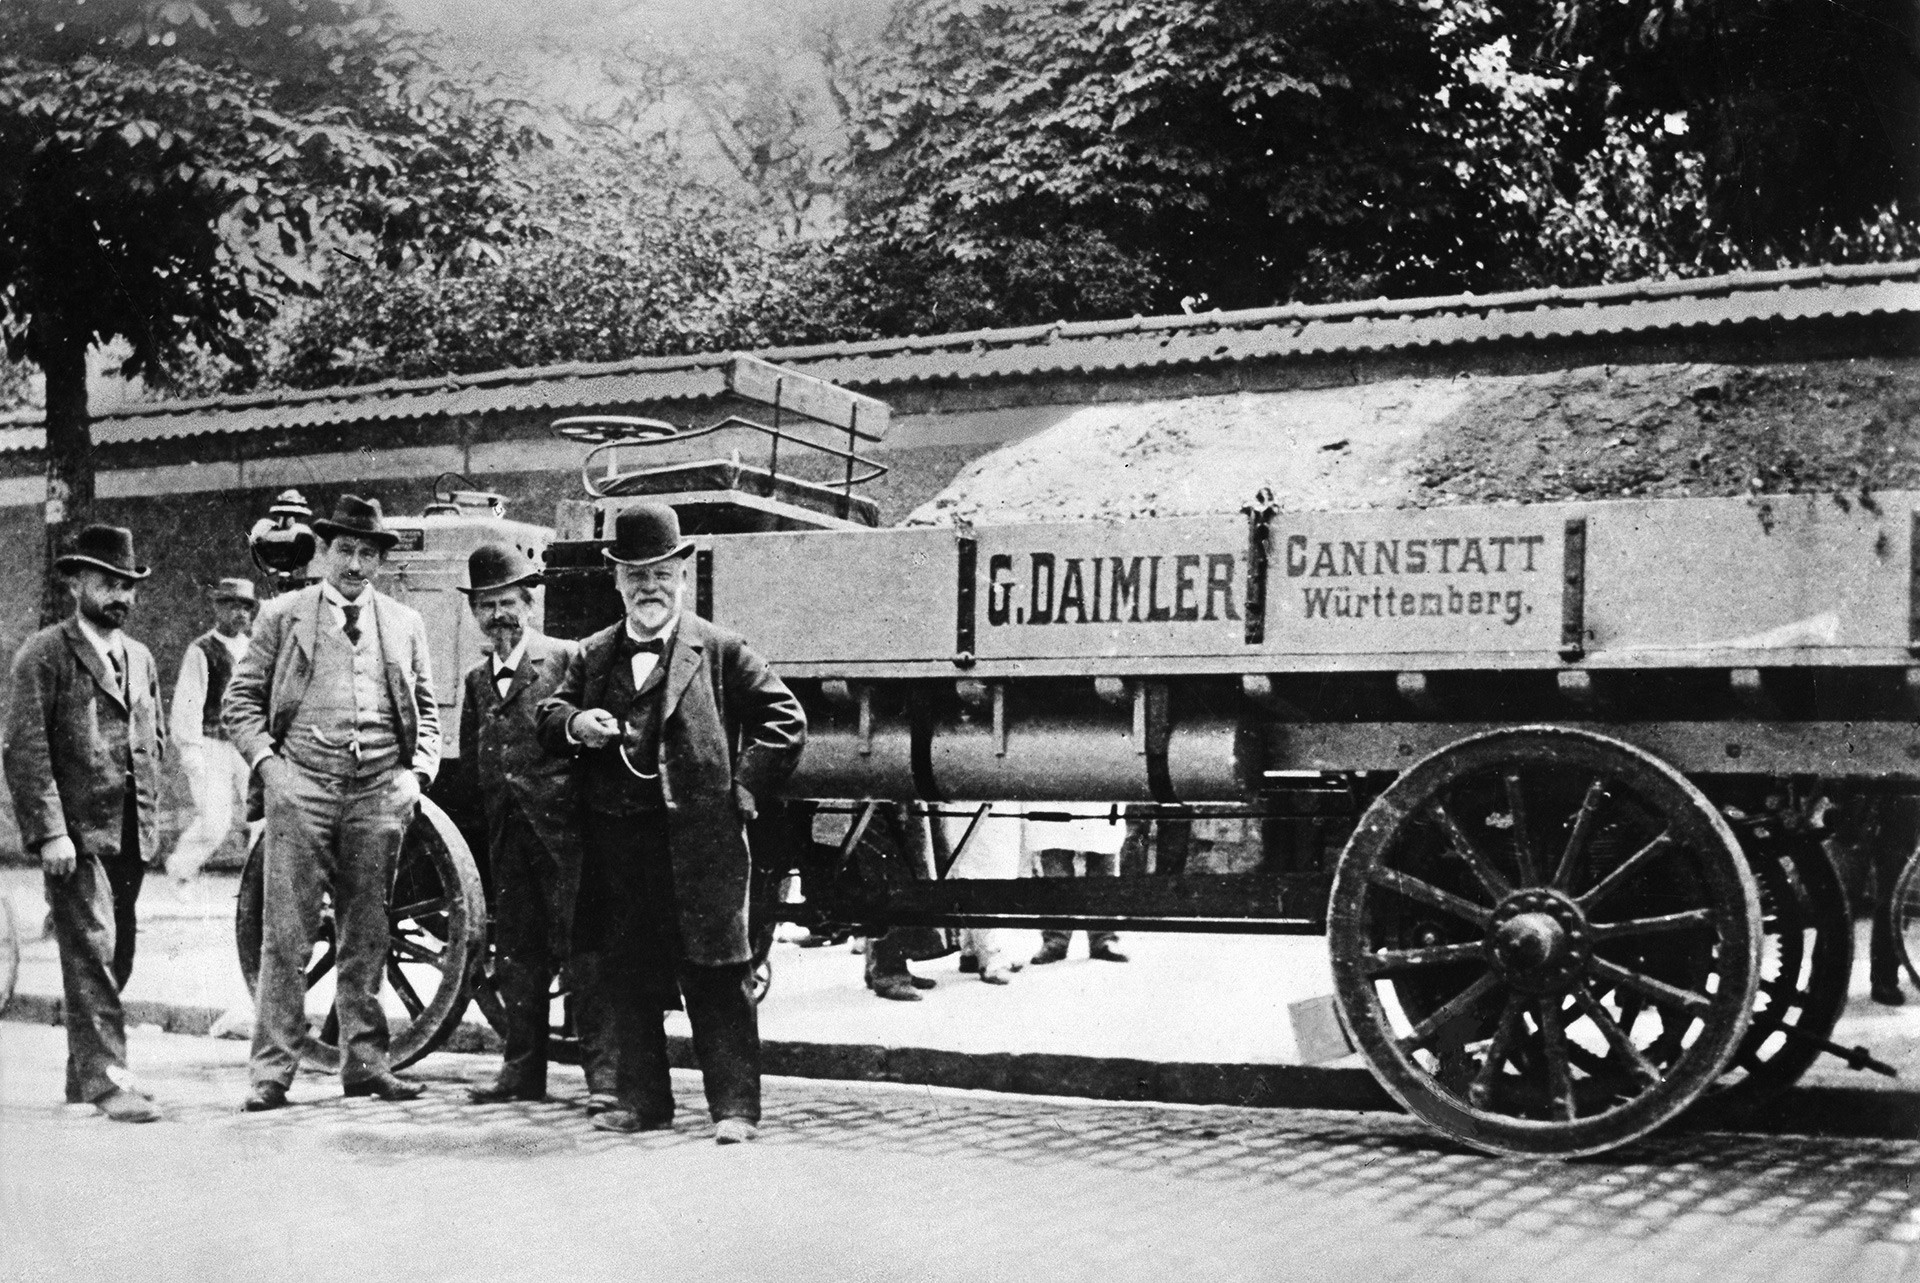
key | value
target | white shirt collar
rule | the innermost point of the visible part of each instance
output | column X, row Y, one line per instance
column 107, row 646
column 236, row 646
column 664, row 636
column 513, row 660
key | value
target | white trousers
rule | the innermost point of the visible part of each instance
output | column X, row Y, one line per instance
column 217, row 784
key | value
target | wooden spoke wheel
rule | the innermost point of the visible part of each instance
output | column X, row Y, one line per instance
column 437, row 915
column 1544, row 941
column 1806, row 962
column 1905, row 910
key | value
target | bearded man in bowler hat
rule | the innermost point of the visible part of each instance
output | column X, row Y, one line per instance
column 84, row 745
column 679, row 728
column 216, row 773
column 333, row 708
column 527, row 796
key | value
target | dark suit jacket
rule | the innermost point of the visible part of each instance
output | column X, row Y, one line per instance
column 69, row 738
column 500, row 745
column 726, row 722
column 264, row 695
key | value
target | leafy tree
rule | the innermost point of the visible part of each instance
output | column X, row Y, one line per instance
column 1804, row 114
column 166, row 167
column 631, row 256
column 1235, row 142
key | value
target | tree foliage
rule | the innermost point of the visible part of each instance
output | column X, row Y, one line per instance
column 166, row 166
column 629, row 256
column 1251, row 153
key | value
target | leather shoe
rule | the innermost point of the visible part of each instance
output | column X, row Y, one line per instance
column 1107, row 953
column 897, row 988
column 1887, row 993
column 732, row 1131
column 265, row 1096
column 627, row 1121
column 600, row 1102
column 498, row 1093
column 127, row 1107
column 969, row 965
column 385, row 1086
column 921, row 982
column 1045, row 956
column 997, row 976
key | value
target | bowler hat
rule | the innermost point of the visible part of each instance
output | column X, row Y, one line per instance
column 108, row 548
column 644, row 534
column 499, row 565
column 241, row 590
column 358, row 517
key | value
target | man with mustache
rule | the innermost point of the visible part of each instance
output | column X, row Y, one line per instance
column 84, row 744
column 527, row 796
column 333, row 708
column 679, row 728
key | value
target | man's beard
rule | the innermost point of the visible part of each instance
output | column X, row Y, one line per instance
column 109, row 617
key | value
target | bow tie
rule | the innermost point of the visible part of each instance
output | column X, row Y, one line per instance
column 504, row 675
column 629, row 647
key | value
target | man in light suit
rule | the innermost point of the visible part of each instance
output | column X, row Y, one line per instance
column 333, row 708
column 84, row 745
column 679, row 728
column 527, row 795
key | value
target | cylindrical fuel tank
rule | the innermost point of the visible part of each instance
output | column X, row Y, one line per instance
column 1091, row 755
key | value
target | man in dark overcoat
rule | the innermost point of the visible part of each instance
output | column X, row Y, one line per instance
column 83, row 754
column 334, row 710
column 679, row 728
column 528, row 799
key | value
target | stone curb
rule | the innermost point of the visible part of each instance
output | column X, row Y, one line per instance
column 1027, row 1073
column 1857, row 1112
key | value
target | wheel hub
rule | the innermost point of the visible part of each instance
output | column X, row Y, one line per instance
column 1538, row 941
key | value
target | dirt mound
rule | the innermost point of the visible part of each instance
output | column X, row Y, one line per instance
column 1595, row 432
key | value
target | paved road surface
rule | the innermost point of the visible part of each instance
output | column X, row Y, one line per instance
column 855, row 1182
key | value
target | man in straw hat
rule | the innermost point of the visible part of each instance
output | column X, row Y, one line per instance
column 527, row 795
column 216, row 773
column 679, row 728
column 333, row 707
column 84, row 745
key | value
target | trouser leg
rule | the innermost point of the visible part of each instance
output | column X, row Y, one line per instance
column 83, row 931
column 726, row 1038
column 599, row 1054
column 372, row 827
column 523, row 971
column 296, row 854
column 1102, row 865
column 886, row 956
column 645, row 1083
column 124, row 878
column 210, row 790
column 1055, row 864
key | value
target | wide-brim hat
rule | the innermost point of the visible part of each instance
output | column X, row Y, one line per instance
column 240, row 590
column 108, row 548
column 499, row 565
column 358, row 517
column 646, row 534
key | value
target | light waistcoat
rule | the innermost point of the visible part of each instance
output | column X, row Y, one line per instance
column 347, row 703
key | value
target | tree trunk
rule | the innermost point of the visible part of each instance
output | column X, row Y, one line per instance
column 69, row 460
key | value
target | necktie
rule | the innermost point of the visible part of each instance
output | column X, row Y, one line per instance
column 630, row 647
column 119, row 674
column 352, row 624
column 502, row 680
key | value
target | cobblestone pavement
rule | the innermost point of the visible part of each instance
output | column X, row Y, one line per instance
column 869, row 1182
